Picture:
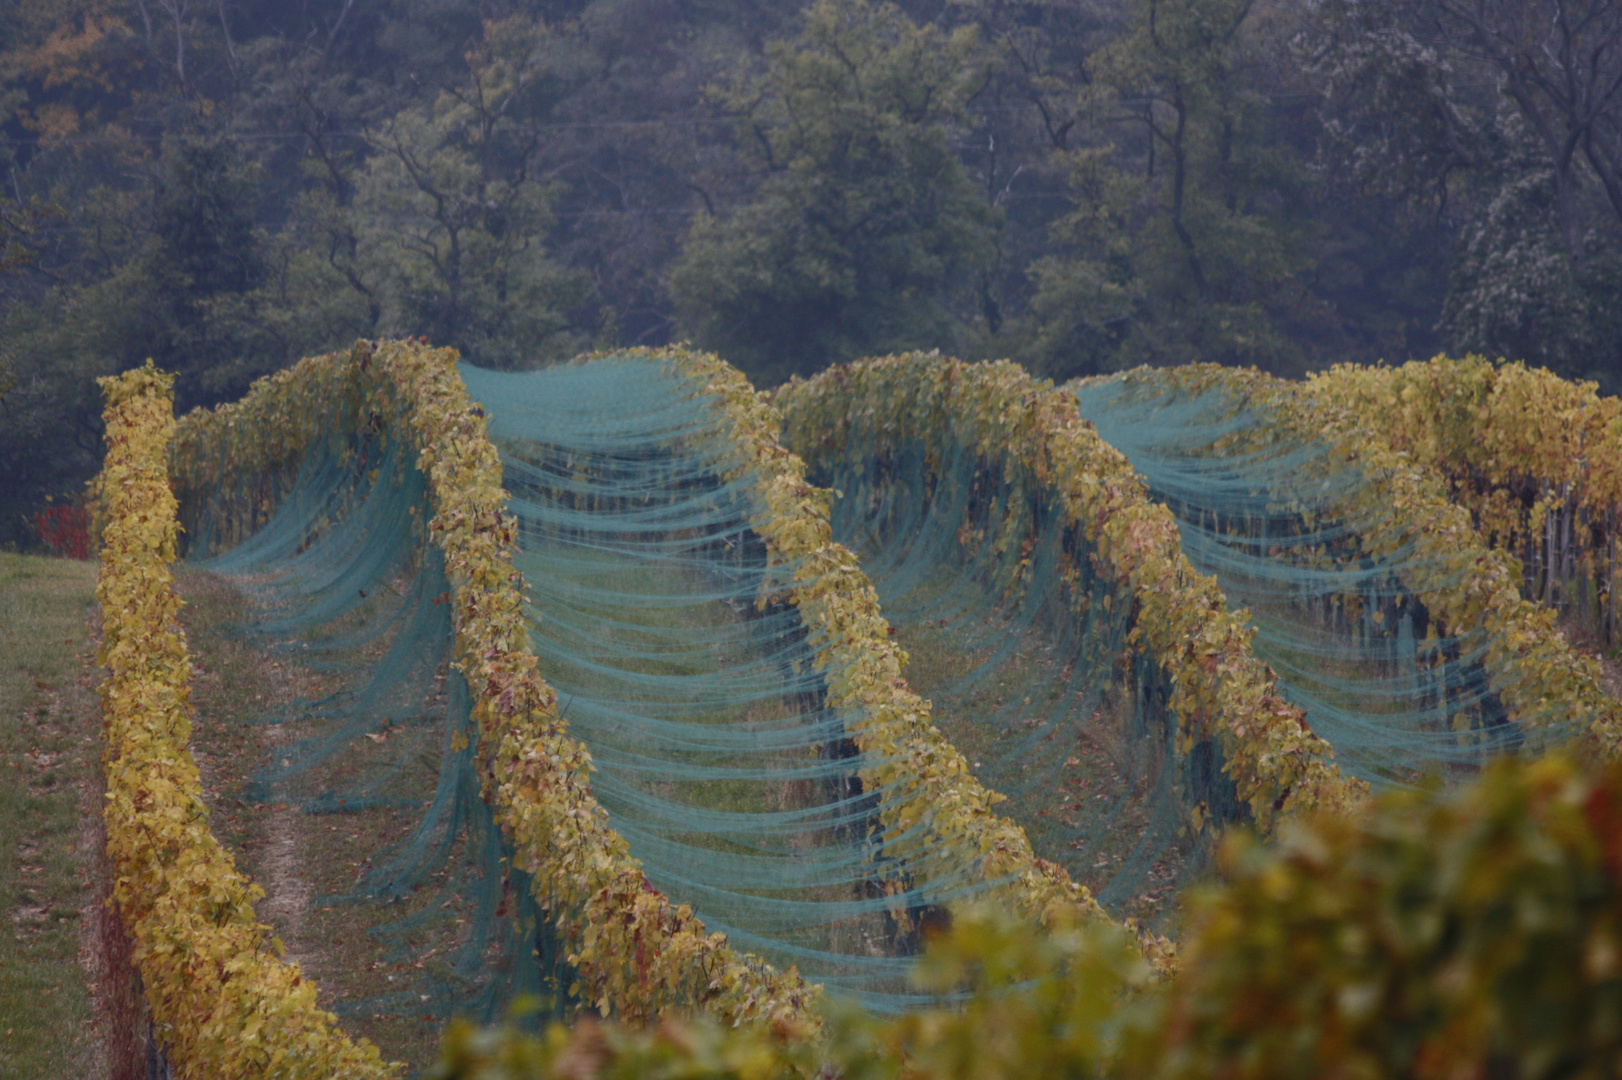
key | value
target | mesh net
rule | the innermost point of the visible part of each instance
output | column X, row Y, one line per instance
column 1283, row 525
column 1024, row 651
column 343, row 582
column 666, row 628
column 664, row 624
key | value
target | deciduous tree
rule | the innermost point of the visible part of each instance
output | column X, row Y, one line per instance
column 866, row 224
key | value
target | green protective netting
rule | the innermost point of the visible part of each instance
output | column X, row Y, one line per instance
column 664, row 625
column 666, row 629
column 1281, row 524
column 342, row 576
column 1021, row 645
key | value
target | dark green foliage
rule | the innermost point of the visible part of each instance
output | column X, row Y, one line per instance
column 1501, row 118
column 449, row 214
column 181, row 283
column 1192, row 234
column 192, row 290
column 203, row 229
column 865, row 222
column 1076, row 186
column 1517, row 292
column 1472, row 933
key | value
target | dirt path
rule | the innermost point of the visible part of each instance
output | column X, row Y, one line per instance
column 289, row 894
column 300, row 859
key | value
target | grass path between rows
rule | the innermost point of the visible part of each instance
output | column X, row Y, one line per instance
column 51, row 862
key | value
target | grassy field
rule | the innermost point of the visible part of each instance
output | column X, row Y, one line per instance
column 49, row 749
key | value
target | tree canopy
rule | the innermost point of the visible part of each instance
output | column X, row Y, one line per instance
column 1079, row 186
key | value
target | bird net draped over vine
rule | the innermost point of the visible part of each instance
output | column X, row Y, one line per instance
column 665, row 625
column 1332, row 569
column 669, row 630
column 1020, row 636
column 344, row 586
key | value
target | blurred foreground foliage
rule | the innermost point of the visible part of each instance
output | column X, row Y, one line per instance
column 1472, row 932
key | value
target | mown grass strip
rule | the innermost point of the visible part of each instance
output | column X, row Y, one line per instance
column 47, row 756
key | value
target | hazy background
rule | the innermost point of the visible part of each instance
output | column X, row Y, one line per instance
column 227, row 185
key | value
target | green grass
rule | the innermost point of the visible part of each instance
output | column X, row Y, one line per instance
column 48, row 757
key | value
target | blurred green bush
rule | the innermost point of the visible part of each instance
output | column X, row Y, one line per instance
column 1469, row 933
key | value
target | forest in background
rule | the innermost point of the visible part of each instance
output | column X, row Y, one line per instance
column 1078, row 185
